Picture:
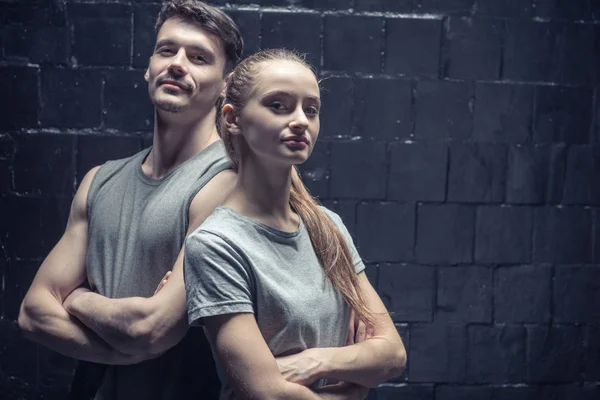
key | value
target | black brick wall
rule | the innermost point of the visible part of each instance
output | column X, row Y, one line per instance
column 460, row 143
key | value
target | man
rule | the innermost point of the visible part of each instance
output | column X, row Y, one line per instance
column 128, row 222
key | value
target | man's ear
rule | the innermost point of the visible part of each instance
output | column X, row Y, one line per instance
column 228, row 115
column 147, row 75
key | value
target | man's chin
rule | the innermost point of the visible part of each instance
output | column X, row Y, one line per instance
column 169, row 106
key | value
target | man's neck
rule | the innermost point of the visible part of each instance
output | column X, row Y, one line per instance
column 177, row 138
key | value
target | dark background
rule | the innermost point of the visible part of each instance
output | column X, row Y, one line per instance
column 459, row 142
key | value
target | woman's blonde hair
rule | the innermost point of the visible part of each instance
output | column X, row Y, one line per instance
column 327, row 240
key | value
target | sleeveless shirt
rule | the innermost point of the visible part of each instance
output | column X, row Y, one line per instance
column 136, row 228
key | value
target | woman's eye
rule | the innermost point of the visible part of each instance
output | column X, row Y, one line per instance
column 277, row 105
column 312, row 111
column 199, row 59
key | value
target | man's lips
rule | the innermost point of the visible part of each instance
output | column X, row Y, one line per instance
column 178, row 84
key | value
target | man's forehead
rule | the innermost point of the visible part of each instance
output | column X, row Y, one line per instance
column 187, row 32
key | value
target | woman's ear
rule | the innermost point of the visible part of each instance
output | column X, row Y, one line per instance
column 228, row 115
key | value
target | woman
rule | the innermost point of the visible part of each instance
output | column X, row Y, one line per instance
column 272, row 274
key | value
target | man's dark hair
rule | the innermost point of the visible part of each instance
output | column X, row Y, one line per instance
column 210, row 18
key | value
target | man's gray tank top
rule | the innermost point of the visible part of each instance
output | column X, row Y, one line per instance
column 137, row 226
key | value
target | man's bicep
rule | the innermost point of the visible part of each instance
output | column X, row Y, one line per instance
column 63, row 270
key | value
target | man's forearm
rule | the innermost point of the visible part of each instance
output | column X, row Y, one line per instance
column 46, row 322
column 120, row 322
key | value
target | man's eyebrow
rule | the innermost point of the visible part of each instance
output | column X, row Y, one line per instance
column 170, row 42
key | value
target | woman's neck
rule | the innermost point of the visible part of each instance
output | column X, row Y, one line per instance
column 262, row 192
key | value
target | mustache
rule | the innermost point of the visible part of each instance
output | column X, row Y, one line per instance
column 180, row 81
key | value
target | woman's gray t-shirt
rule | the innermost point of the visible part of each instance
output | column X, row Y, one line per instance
column 234, row 264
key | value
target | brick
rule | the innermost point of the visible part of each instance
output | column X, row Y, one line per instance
column 530, row 51
column 596, row 236
column 144, row 36
column 503, row 235
column 464, row 294
column 522, row 294
column 477, row 173
column 31, row 14
column 59, row 89
column 443, row 110
column 126, row 103
column 564, row 9
column 315, row 171
column 570, row 392
column 444, row 234
column 505, row 8
column 403, row 6
column 516, row 393
column 369, row 121
column 337, row 96
column 299, row 31
column 437, row 353
column 583, row 166
column 353, row 43
column 386, row 231
column 346, row 209
column 20, row 109
column 101, row 33
column 6, row 177
column 404, row 392
column 18, row 356
column 407, row 291
column 372, row 273
column 444, row 6
column 591, row 361
column 563, row 114
column 502, row 113
column 248, row 22
column 418, row 37
column 357, row 170
column 31, row 227
column 472, row 48
column 496, row 354
column 577, row 67
column 7, row 147
column 44, row 164
column 417, row 172
column 38, row 44
column 463, row 393
column 536, row 174
column 562, row 236
column 325, row 4
column 96, row 150
column 554, row 353
column 576, row 294
column 17, row 280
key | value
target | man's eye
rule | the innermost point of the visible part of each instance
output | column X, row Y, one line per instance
column 165, row 51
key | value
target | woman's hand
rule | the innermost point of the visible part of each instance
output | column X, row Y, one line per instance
column 302, row 368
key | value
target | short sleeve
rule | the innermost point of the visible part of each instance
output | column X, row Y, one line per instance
column 217, row 280
column 359, row 266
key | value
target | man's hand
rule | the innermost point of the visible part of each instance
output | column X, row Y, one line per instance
column 73, row 296
column 162, row 282
column 302, row 368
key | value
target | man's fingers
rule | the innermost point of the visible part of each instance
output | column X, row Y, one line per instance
column 351, row 329
column 361, row 332
column 163, row 282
